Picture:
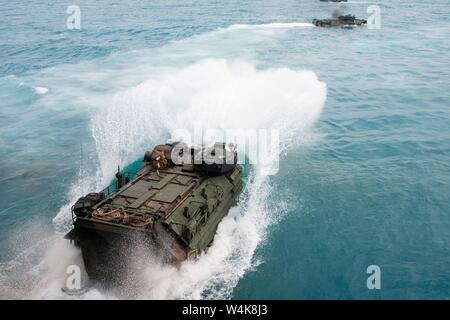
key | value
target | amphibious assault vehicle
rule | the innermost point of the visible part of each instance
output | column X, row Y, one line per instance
column 171, row 207
column 340, row 21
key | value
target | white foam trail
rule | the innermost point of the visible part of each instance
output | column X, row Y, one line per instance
column 213, row 93
column 135, row 67
column 40, row 90
column 274, row 25
column 183, row 85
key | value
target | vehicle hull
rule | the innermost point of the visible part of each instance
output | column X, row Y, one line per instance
column 170, row 214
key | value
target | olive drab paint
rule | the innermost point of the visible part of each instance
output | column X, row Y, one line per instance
column 170, row 209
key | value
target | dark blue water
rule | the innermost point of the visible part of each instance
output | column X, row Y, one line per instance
column 364, row 181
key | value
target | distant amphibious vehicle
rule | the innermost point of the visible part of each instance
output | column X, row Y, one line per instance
column 169, row 208
column 340, row 21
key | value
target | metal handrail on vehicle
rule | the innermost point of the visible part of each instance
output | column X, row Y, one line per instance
column 113, row 187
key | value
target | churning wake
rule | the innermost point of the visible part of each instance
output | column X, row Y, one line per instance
column 211, row 94
column 188, row 84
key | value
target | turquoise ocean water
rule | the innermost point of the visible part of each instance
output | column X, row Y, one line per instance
column 363, row 114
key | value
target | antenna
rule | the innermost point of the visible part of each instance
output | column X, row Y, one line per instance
column 119, row 177
column 81, row 168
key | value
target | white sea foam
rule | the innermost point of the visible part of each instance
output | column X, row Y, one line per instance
column 274, row 25
column 40, row 90
column 213, row 93
column 202, row 81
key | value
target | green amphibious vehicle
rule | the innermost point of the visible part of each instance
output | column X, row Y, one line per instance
column 340, row 21
column 170, row 208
